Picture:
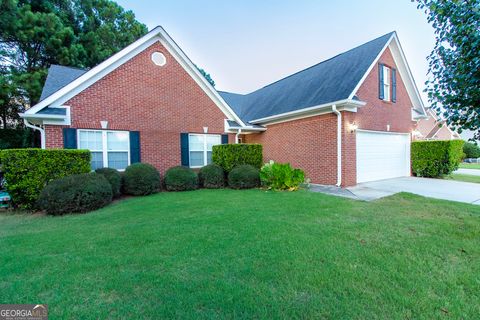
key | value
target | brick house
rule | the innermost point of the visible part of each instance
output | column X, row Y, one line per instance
column 346, row 120
column 434, row 128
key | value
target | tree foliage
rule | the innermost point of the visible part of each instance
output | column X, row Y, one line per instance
column 37, row 33
column 206, row 76
column 454, row 63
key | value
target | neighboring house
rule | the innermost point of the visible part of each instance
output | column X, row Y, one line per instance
column 434, row 128
column 346, row 120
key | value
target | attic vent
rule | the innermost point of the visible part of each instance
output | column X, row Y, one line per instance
column 159, row 59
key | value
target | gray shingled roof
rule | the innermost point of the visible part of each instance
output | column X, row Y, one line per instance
column 328, row 81
column 58, row 77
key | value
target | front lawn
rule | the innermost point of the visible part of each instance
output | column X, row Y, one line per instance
column 248, row 254
column 469, row 165
column 464, row 177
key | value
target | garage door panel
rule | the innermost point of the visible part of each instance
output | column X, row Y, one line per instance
column 382, row 155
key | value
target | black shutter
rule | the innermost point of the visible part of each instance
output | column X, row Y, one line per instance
column 380, row 82
column 394, row 85
column 134, row 146
column 224, row 138
column 69, row 138
column 184, row 149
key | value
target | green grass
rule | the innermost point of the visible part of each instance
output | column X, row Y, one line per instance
column 248, row 254
column 470, row 165
column 464, row 177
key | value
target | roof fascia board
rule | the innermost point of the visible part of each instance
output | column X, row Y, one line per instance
column 98, row 72
column 94, row 71
column 42, row 116
column 362, row 80
column 344, row 105
column 404, row 69
column 247, row 128
column 188, row 65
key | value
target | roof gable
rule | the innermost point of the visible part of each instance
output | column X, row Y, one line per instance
column 331, row 81
column 83, row 81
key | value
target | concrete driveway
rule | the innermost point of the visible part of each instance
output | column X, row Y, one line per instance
column 433, row 188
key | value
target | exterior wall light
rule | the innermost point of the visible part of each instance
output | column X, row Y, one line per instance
column 353, row 127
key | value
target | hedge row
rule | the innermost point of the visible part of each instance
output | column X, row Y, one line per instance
column 436, row 158
column 27, row 171
column 229, row 156
column 471, row 150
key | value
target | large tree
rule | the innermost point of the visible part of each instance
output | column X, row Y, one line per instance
column 37, row 33
column 454, row 64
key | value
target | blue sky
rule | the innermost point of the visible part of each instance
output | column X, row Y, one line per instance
column 247, row 44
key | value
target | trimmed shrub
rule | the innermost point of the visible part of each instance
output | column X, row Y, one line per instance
column 114, row 178
column 244, row 176
column 76, row 194
column 27, row 171
column 281, row 176
column 141, row 179
column 181, row 179
column 436, row 158
column 212, row 176
column 471, row 150
column 228, row 156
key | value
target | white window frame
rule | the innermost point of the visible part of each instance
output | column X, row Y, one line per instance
column 105, row 150
column 205, row 150
column 387, row 74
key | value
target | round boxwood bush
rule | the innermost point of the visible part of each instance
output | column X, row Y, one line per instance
column 212, row 176
column 140, row 179
column 181, row 179
column 114, row 178
column 244, row 177
column 75, row 194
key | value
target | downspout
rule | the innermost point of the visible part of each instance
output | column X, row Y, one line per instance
column 339, row 145
column 42, row 132
column 237, row 135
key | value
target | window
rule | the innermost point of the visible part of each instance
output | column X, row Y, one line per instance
column 200, row 146
column 386, row 83
column 109, row 148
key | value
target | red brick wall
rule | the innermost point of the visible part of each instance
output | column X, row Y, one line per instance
column 375, row 115
column 309, row 144
column 160, row 102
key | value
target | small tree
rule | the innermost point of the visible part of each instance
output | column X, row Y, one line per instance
column 454, row 63
column 206, row 76
column 471, row 150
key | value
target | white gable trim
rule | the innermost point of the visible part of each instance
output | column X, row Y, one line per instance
column 104, row 68
column 402, row 67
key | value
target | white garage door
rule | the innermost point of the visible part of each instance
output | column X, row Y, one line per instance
column 382, row 155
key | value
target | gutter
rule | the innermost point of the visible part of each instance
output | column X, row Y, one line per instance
column 339, row 145
column 237, row 135
column 42, row 116
column 346, row 104
column 42, row 131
